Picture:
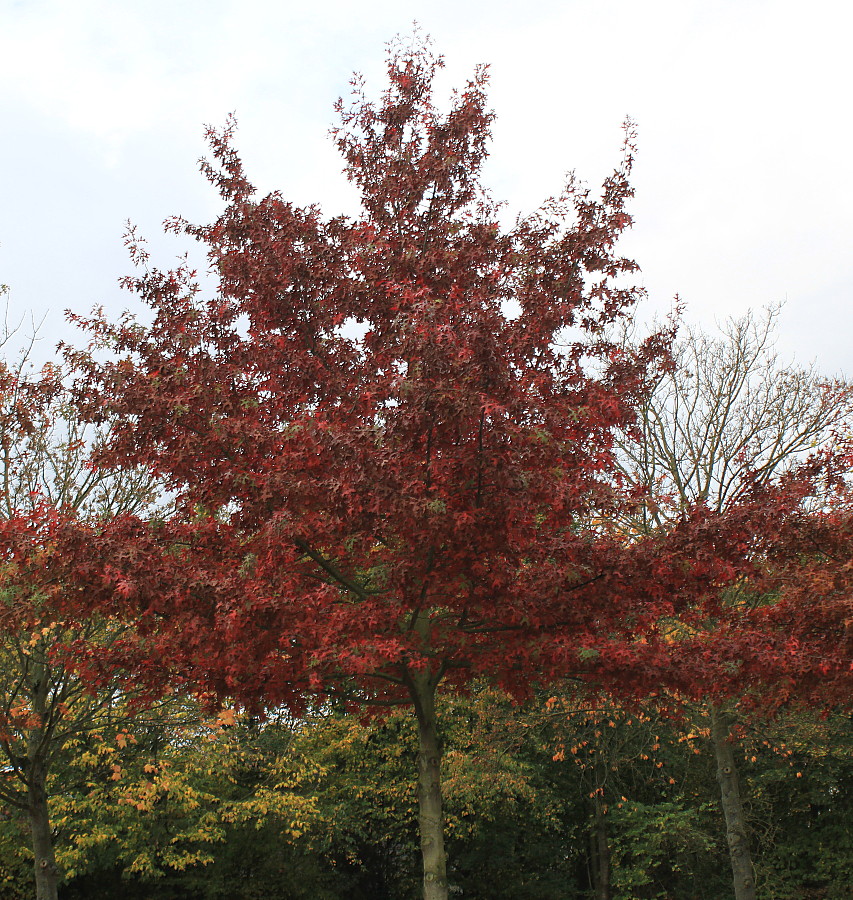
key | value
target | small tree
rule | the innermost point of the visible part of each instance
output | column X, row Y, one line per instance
column 47, row 491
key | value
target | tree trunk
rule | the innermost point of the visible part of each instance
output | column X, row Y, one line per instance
column 46, row 870
column 430, row 816
column 601, row 854
column 741, row 859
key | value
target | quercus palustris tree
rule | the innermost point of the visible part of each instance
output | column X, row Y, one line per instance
column 389, row 437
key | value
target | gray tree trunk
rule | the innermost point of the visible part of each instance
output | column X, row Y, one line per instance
column 430, row 816
column 601, row 855
column 736, row 831
column 46, row 870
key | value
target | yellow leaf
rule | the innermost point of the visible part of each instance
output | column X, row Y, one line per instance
column 226, row 718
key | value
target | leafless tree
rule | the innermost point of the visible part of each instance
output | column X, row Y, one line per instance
column 729, row 413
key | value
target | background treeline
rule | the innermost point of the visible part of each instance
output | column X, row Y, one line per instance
column 559, row 798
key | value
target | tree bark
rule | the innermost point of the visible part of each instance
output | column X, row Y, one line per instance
column 430, row 818
column 736, row 831
column 46, row 870
column 601, row 847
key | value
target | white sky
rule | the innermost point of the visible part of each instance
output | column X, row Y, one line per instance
column 744, row 192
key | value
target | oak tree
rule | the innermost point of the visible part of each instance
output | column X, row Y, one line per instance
column 390, row 438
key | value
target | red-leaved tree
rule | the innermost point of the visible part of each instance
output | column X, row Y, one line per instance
column 53, row 507
column 390, row 438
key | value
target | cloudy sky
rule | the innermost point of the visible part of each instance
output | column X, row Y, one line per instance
column 744, row 192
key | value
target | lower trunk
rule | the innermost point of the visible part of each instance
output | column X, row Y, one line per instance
column 46, row 870
column 430, row 816
column 601, row 853
column 736, row 834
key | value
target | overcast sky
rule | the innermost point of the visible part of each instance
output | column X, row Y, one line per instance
column 744, row 192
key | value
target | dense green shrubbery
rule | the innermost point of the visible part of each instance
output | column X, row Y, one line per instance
column 323, row 809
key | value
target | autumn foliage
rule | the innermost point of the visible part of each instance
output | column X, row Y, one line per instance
column 390, row 444
column 399, row 427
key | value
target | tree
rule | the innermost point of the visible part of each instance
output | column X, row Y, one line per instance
column 47, row 493
column 727, row 421
column 389, row 438
column 170, row 807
